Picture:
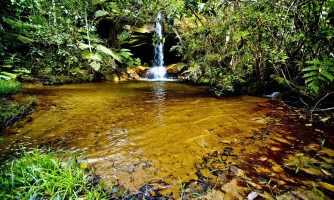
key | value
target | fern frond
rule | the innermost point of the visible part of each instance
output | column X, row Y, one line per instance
column 95, row 65
column 108, row 51
column 312, row 68
column 310, row 74
column 327, row 75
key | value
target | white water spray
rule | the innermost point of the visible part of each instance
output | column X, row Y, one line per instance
column 158, row 71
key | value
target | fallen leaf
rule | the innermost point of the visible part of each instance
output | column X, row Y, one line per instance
column 263, row 158
column 152, row 193
column 84, row 165
column 327, row 186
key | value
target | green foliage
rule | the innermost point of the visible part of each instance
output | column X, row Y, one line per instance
column 43, row 174
column 51, row 39
column 254, row 40
column 320, row 74
column 9, row 87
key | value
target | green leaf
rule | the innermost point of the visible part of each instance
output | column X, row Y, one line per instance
column 322, row 144
column 91, row 56
column 22, row 38
column 327, row 75
column 23, row 70
column 83, row 46
column 108, row 51
column 125, row 53
column 11, row 75
column 180, row 66
column 310, row 74
column 95, row 65
column 21, row 24
column 5, row 77
column 314, row 87
column 311, row 79
column 312, row 68
column 101, row 13
column 316, row 62
column 298, row 167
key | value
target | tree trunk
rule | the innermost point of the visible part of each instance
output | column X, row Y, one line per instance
column 112, row 39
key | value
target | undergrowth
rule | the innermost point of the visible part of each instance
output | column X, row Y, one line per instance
column 42, row 174
column 9, row 87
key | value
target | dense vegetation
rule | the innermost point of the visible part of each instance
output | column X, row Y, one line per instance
column 236, row 46
column 244, row 46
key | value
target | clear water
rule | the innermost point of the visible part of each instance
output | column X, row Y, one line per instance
column 135, row 131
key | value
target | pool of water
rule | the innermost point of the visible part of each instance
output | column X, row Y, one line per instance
column 135, row 132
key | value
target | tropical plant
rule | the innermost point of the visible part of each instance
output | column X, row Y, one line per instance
column 320, row 74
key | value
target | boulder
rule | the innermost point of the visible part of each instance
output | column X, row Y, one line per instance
column 172, row 69
column 141, row 70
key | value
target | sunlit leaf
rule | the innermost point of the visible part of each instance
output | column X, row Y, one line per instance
column 101, row 13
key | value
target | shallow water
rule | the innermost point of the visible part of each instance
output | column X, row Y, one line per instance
column 135, row 132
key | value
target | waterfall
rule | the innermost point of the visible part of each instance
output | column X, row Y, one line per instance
column 158, row 71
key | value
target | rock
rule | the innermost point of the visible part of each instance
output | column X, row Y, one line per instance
column 141, row 70
column 133, row 74
column 252, row 195
column 172, row 69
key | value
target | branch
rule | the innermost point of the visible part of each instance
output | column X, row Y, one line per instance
column 303, row 102
column 325, row 109
column 319, row 102
column 178, row 36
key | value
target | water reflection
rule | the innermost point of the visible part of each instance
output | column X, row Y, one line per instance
column 159, row 92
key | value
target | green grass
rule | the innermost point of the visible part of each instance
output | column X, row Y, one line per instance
column 42, row 174
column 9, row 87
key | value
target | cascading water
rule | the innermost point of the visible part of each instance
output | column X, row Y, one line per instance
column 158, row 71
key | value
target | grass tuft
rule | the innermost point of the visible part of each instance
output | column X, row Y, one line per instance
column 42, row 174
column 9, row 87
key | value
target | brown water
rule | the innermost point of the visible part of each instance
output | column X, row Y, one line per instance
column 135, row 131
